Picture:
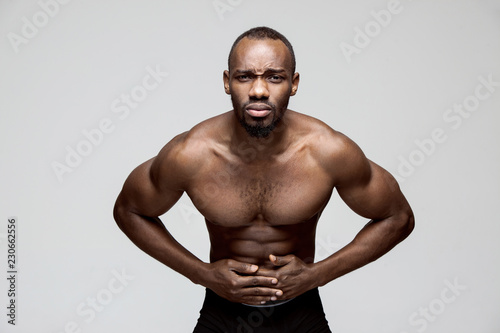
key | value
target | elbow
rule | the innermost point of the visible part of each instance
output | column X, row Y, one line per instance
column 406, row 224
column 119, row 212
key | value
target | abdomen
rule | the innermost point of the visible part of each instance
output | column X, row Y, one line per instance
column 254, row 243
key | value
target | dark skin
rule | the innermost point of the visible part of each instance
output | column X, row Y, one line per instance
column 262, row 196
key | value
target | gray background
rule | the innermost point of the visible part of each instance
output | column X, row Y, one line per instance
column 64, row 76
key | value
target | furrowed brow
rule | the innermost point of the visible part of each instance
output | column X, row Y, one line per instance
column 267, row 71
column 244, row 71
column 276, row 70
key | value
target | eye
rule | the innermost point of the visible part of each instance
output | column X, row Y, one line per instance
column 275, row 78
column 243, row 78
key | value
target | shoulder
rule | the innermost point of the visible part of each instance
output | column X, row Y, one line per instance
column 334, row 151
column 323, row 140
column 186, row 153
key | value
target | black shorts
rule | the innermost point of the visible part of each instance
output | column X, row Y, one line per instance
column 303, row 314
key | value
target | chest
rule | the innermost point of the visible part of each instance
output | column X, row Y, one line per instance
column 236, row 195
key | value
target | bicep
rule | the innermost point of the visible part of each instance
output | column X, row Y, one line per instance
column 147, row 193
column 368, row 189
column 372, row 192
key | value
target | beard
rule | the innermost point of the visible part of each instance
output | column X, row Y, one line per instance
column 259, row 130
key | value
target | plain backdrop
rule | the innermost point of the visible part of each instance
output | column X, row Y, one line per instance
column 415, row 83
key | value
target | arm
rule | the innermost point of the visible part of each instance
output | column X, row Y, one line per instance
column 371, row 192
column 150, row 191
column 136, row 212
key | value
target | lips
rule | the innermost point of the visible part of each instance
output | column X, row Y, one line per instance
column 258, row 110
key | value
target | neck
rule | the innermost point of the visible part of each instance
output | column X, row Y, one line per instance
column 252, row 148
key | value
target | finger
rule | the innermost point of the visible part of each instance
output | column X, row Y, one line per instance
column 264, row 281
column 281, row 260
column 257, row 300
column 243, row 268
column 262, row 293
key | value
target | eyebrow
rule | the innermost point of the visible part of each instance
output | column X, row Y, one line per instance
column 268, row 70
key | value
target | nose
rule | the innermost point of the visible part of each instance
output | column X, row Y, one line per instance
column 259, row 89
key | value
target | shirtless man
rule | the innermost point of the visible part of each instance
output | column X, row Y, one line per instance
column 261, row 176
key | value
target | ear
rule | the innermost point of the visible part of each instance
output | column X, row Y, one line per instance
column 225, row 77
column 295, row 84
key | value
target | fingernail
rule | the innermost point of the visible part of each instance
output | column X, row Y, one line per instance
column 272, row 257
column 273, row 298
column 263, row 302
column 254, row 268
column 279, row 293
column 274, row 281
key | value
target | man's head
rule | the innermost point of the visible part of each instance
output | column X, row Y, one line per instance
column 260, row 33
column 260, row 79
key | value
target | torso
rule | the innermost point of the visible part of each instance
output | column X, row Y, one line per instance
column 254, row 207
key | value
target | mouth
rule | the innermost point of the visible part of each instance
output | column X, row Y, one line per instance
column 258, row 110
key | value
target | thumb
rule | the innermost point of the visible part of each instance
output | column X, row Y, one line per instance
column 280, row 260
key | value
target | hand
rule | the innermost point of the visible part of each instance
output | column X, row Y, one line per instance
column 236, row 282
column 294, row 276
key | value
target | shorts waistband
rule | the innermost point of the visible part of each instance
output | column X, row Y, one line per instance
column 210, row 294
column 269, row 304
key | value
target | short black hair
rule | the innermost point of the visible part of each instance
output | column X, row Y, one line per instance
column 262, row 33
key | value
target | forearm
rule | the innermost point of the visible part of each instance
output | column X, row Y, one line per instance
column 151, row 236
column 373, row 241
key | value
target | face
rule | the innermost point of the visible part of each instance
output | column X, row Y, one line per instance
column 260, row 84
